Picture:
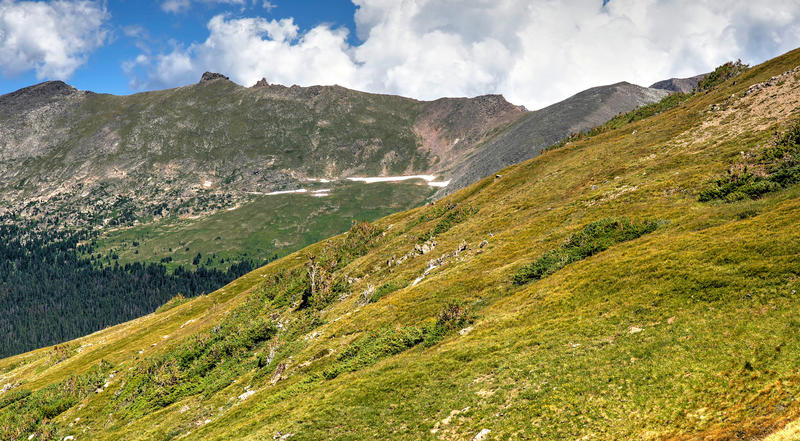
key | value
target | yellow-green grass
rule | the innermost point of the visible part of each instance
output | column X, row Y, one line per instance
column 689, row 332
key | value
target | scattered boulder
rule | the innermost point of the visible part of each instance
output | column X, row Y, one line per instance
column 426, row 247
column 482, row 435
column 276, row 377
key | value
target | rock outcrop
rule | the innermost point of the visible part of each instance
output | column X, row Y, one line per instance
column 210, row 76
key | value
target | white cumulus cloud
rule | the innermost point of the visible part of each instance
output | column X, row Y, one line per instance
column 533, row 52
column 178, row 6
column 52, row 38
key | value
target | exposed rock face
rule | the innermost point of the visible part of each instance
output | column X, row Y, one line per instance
column 261, row 83
column 451, row 127
column 682, row 85
column 209, row 76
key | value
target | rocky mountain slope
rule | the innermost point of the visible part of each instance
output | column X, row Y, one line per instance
column 161, row 149
column 196, row 149
column 542, row 128
column 638, row 283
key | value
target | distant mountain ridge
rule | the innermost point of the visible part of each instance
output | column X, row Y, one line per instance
column 539, row 129
column 160, row 151
column 682, row 85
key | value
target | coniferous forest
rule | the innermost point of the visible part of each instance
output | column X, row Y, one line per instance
column 50, row 291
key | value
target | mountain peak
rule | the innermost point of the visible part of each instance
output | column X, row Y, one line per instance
column 37, row 94
column 261, row 83
column 210, row 76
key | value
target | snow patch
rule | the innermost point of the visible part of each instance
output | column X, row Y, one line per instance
column 370, row 180
column 430, row 179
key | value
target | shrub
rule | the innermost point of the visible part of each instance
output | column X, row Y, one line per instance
column 776, row 167
column 452, row 317
column 372, row 347
column 25, row 412
column 720, row 75
column 594, row 238
column 386, row 289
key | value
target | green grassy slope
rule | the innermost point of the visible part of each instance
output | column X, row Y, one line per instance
column 689, row 331
column 264, row 226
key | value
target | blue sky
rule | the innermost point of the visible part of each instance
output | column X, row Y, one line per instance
column 534, row 52
column 103, row 70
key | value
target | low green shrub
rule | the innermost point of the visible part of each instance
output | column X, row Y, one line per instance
column 720, row 75
column 374, row 346
column 24, row 412
column 776, row 167
column 386, row 289
column 203, row 364
column 453, row 215
column 453, row 316
column 594, row 238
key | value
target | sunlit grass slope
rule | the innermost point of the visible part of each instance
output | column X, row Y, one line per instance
column 683, row 323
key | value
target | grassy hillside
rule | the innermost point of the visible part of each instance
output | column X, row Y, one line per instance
column 586, row 294
column 266, row 225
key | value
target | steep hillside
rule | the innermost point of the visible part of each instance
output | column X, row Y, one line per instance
column 542, row 128
column 641, row 283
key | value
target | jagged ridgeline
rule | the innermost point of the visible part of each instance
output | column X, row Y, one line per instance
column 597, row 291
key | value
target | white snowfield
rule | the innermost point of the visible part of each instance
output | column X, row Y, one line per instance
column 429, row 178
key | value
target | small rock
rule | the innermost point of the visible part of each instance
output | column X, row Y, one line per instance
column 482, row 435
column 671, row 320
column 184, row 409
column 247, row 395
column 498, row 176
column 276, row 377
column 463, row 246
column 484, row 243
column 635, row 330
column 68, row 438
column 465, row 331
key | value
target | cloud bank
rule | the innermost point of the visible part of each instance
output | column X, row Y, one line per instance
column 533, row 52
column 52, row 38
